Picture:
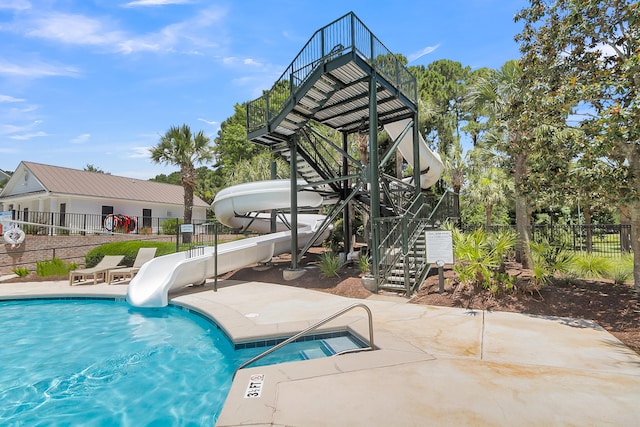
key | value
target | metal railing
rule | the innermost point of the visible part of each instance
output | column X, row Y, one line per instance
column 312, row 328
column 344, row 35
column 599, row 239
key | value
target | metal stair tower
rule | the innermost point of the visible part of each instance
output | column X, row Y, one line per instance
column 347, row 80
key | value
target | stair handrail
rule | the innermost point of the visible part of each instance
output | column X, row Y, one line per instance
column 345, row 34
column 312, row 328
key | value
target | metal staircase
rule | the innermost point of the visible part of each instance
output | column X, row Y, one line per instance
column 345, row 79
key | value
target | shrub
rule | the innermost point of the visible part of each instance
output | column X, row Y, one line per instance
column 54, row 267
column 129, row 249
column 329, row 264
column 171, row 226
column 21, row 271
column 590, row 266
column 480, row 257
column 363, row 263
column 549, row 259
column 621, row 270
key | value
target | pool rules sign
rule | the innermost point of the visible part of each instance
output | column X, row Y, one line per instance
column 439, row 247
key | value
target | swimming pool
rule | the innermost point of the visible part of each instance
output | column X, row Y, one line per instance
column 101, row 362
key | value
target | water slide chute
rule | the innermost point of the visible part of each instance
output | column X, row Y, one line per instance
column 151, row 286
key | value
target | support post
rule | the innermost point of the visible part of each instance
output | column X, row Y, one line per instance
column 374, row 175
column 293, row 147
column 274, row 175
column 416, row 154
column 346, row 219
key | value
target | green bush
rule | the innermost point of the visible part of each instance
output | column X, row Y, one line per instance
column 329, row 264
column 21, row 271
column 54, row 267
column 171, row 226
column 549, row 259
column 129, row 249
column 363, row 262
column 590, row 266
column 622, row 269
column 480, row 257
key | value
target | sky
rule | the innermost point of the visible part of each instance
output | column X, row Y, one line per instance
column 98, row 82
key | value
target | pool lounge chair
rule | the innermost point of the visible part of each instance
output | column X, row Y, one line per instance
column 144, row 255
column 99, row 270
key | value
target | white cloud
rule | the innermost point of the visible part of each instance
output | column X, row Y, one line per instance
column 27, row 136
column 252, row 62
column 7, row 99
column 81, row 139
column 187, row 36
column 427, row 50
column 7, row 129
column 209, row 122
column 15, row 4
column 36, row 69
column 73, row 29
column 143, row 3
column 139, row 152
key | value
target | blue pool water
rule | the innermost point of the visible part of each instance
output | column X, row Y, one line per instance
column 100, row 363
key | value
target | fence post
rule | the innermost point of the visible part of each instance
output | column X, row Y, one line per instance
column 177, row 235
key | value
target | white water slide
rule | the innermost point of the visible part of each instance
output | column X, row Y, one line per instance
column 150, row 287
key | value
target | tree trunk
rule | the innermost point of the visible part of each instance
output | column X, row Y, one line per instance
column 488, row 212
column 634, row 209
column 588, row 229
column 523, row 250
column 188, row 184
column 625, row 233
column 633, row 156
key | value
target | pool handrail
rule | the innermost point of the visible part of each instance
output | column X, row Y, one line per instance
column 312, row 328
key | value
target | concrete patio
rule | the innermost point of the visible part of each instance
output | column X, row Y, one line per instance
column 432, row 366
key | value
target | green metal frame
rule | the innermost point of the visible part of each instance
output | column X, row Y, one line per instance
column 345, row 35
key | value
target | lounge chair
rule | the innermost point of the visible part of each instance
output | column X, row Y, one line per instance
column 107, row 263
column 144, row 255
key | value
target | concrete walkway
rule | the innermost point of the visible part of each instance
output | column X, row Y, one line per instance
column 432, row 366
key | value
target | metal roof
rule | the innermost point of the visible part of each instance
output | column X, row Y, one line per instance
column 74, row 182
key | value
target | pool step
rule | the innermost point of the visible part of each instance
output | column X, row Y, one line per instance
column 313, row 353
column 329, row 347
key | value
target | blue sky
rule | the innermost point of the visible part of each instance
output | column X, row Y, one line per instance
column 97, row 82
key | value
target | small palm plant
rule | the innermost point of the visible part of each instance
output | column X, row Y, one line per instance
column 363, row 263
column 329, row 264
column 549, row 259
column 480, row 256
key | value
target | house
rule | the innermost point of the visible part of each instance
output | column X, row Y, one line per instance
column 82, row 200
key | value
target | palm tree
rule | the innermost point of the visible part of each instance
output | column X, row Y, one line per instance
column 178, row 146
column 489, row 189
column 500, row 94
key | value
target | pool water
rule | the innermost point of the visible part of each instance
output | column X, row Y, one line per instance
column 101, row 362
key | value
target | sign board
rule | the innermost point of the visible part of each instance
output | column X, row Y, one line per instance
column 254, row 388
column 439, row 246
column 186, row 228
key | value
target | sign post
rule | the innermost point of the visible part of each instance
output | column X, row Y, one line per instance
column 439, row 251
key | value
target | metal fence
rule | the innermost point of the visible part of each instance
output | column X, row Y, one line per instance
column 599, row 239
column 57, row 223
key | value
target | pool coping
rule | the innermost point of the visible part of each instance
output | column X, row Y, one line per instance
column 446, row 365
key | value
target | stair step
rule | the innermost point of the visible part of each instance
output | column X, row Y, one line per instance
column 399, row 279
column 339, row 344
column 312, row 353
